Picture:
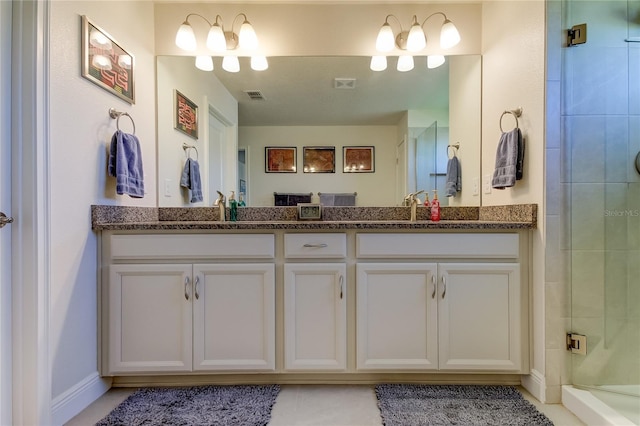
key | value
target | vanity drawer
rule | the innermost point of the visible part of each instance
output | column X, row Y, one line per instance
column 192, row 246
column 489, row 245
column 311, row 245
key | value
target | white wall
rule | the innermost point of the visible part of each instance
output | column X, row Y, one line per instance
column 203, row 88
column 373, row 188
column 513, row 76
column 80, row 132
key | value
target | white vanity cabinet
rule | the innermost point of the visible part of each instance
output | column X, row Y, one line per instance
column 315, row 302
column 458, row 305
column 165, row 315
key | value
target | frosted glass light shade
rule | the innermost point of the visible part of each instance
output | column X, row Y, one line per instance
column 215, row 39
column 248, row 38
column 378, row 63
column 124, row 61
column 231, row 64
column 259, row 63
column 204, row 63
column 99, row 40
column 449, row 35
column 434, row 61
column 101, row 62
column 416, row 40
column 386, row 40
column 405, row 63
column 185, row 38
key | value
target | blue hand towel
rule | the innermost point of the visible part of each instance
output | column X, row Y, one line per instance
column 509, row 159
column 125, row 164
column 454, row 180
column 191, row 179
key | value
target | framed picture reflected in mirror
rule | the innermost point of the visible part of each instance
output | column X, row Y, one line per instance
column 319, row 159
column 358, row 159
column 280, row 159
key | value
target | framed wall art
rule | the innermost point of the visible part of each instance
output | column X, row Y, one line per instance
column 186, row 116
column 280, row 159
column 319, row 159
column 106, row 63
column 358, row 159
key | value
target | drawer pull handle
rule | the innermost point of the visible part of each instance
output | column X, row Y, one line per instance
column 433, row 281
column 341, row 285
column 186, row 288
column 195, row 286
column 321, row 245
column 444, row 286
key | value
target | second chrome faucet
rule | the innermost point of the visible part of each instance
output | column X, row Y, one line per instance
column 412, row 200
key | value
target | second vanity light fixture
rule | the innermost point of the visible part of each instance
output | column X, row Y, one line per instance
column 221, row 42
column 412, row 41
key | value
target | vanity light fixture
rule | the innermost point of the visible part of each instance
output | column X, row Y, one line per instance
column 222, row 42
column 413, row 40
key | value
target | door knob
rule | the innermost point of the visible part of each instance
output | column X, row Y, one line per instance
column 4, row 219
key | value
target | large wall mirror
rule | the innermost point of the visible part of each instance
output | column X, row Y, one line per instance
column 408, row 118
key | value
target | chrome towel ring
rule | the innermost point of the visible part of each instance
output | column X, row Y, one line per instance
column 187, row 151
column 116, row 116
column 515, row 112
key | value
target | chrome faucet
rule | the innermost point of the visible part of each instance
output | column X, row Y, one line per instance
column 412, row 200
column 222, row 210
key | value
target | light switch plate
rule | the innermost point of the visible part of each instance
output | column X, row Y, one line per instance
column 475, row 186
column 167, row 187
column 486, row 184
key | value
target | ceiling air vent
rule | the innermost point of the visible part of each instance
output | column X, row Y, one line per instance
column 344, row 83
column 255, row 95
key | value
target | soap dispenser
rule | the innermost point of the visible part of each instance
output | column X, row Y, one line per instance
column 241, row 202
column 435, row 207
column 233, row 207
column 427, row 203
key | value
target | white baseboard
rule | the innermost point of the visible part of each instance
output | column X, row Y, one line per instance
column 534, row 383
column 71, row 402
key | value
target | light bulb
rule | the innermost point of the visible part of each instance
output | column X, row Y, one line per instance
column 204, row 63
column 378, row 63
column 185, row 38
column 215, row 39
column 416, row 40
column 230, row 64
column 259, row 63
column 386, row 41
column 434, row 61
column 248, row 38
column 449, row 35
column 405, row 63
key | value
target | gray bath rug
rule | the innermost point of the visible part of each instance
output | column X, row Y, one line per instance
column 412, row 405
column 199, row 405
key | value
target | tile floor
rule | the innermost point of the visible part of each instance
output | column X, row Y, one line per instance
column 324, row 405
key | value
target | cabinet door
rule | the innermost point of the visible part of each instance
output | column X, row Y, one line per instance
column 149, row 318
column 315, row 328
column 234, row 317
column 479, row 316
column 396, row 316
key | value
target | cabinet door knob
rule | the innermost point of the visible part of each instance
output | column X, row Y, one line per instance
column 186, row 288
column 195, row 286
column 341, row 284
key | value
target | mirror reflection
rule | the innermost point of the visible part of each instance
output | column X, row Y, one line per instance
column 405, row 120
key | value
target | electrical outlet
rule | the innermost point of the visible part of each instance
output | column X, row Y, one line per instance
column 475, row 186
column 167, row 187
column 486, row 184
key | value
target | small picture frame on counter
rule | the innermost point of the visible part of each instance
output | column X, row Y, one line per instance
column 309, row 211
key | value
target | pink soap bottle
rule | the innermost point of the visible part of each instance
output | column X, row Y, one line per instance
column 435, row 207
column 427, row 203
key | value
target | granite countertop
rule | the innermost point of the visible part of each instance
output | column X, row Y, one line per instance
column 109, row 218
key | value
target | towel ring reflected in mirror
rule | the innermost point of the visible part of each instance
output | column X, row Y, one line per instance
column 454, row 149
column 515, row 112
column 117, row 114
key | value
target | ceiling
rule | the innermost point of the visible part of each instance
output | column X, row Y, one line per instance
column 300, row 91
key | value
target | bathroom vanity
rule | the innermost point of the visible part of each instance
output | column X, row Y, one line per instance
column 301, row 301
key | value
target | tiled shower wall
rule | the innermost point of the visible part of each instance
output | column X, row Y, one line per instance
column 593, row 194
